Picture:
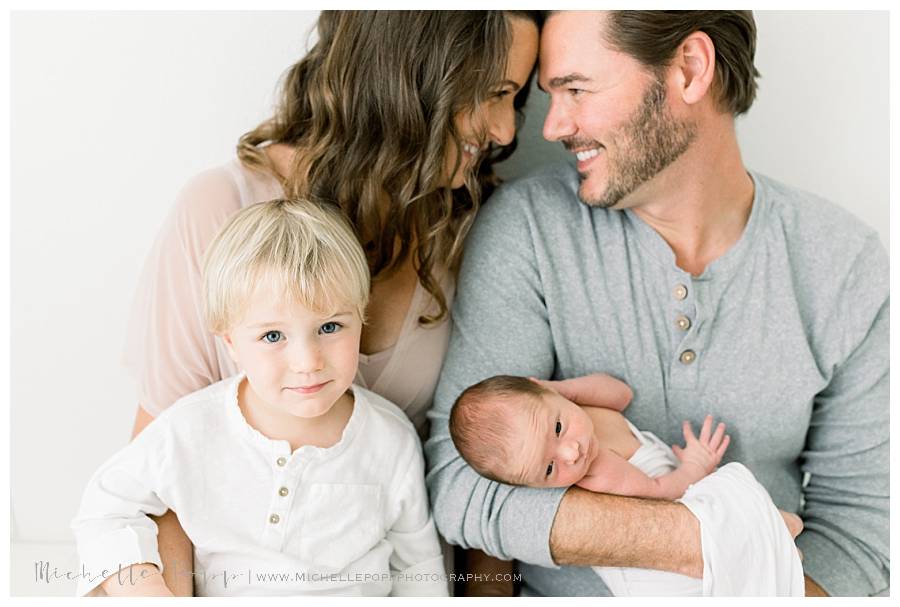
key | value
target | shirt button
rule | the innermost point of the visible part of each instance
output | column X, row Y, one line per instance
column 283, row 491
column 274, row 519
column 281, row 461
column 687, row 357
column 683, row 322
column 680, row 292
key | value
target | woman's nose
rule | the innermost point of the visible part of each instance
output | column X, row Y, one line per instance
column 503, row 125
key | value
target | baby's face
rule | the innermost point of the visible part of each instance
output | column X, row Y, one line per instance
column 555, row 443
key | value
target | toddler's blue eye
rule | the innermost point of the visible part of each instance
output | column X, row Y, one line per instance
column 329, row 328
column 558, row 428
column 272, row 337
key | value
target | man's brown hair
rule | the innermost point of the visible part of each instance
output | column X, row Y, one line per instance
column 652, row 37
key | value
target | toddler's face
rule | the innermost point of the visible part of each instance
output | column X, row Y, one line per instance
column 557, row 443
column 296, row 360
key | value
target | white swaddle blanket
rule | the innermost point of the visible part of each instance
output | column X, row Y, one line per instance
column 747, row 549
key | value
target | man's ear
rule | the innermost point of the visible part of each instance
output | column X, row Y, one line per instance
column 695, row 60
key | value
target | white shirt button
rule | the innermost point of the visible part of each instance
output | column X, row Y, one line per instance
column 274, row 519
column 283, row 491
column 687, row 357
column 683, row 322
column 680, row 292
column 281, row 461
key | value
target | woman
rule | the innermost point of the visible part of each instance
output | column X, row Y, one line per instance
column 397, row 118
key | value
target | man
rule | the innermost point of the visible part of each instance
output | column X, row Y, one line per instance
column 705, row 288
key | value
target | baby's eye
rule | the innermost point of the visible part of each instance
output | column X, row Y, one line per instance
column 272, row 337
column 330, row 327
column 549, row 469
column 558, row 428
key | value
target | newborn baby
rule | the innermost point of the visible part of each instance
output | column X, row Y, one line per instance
column 529, row 432
column 523, row 431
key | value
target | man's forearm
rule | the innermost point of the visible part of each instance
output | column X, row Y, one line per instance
column 595, row 529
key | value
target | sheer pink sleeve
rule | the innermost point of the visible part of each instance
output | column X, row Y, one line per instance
column 168, row 349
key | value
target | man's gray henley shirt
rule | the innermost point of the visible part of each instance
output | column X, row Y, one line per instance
column 784, row 338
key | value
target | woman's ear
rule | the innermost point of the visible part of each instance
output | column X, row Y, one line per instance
column 695, row 61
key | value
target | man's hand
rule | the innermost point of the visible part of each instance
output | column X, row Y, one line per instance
column 794, row 523
column 703, row 453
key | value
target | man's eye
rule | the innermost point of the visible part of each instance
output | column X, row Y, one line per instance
column 272, row 337
column 501, row 94
column 330, row 327
column 575, row 92
column 549, row 469
column 558, row 428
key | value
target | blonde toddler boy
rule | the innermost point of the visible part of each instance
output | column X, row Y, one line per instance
column 286, row 478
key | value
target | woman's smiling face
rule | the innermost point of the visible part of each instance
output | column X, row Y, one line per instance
column 495, row 118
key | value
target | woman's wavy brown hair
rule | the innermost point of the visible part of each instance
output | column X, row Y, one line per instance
column 371, row 110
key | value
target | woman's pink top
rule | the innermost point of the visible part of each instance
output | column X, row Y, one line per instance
column 171, row 353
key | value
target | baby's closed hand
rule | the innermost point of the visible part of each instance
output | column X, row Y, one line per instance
column 703, row 453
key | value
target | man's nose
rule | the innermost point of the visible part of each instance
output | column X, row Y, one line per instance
column 558, row 124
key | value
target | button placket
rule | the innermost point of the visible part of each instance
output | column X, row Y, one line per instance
column 683, row 366
column 285, row 468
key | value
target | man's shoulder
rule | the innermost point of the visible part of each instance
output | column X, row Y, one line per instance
column 833, row 255
column 550, row 188
column 523, row 208
column 810, row 220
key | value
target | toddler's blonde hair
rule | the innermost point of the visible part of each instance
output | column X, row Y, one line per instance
column 305, row 250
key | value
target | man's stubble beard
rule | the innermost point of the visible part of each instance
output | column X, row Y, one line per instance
column 648, row 142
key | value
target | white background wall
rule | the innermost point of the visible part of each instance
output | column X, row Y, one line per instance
column 112, row 112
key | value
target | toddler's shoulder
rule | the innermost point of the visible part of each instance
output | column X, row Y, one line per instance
column 387, row 421
column 202, row 408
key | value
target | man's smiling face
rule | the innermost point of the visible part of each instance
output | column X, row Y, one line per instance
column 606, row 108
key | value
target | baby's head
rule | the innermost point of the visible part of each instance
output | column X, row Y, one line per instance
column 515, row 431
column 286, row 285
